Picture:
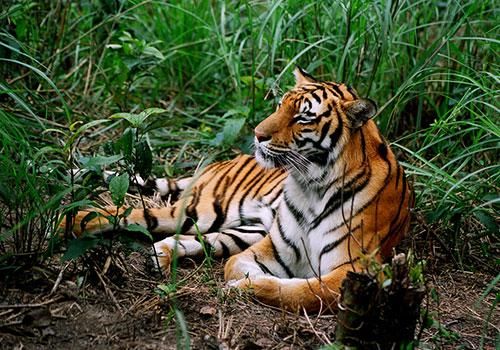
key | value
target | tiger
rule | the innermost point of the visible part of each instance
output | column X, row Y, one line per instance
column 322, row 191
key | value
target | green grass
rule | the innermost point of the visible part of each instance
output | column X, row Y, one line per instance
column 217, row 68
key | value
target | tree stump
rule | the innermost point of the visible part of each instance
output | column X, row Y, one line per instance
column 380, row 310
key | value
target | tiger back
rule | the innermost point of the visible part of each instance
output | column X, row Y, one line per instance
column 323, row 189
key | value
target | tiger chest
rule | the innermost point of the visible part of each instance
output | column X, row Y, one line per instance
column 300, row 233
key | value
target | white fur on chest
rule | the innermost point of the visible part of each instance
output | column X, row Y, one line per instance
column 308, row 236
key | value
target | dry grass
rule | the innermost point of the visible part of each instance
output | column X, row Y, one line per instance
column 118, row 306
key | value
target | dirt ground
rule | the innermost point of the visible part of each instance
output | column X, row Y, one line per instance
column 121, row 303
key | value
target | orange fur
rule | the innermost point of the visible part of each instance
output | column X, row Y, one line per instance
column 217, row 206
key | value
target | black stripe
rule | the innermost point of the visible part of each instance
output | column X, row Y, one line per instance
column 299, row 218
column 296, row 103
column 204, row 243
column 215, row 170
column 316, row 97
column 403, row 196
column 221, row 177
column 325, row 94
column 173, row 190
column 276, row 196
column 286, row 239
column 332, row 245
column 382, row 151
column 215, row 166
column 324, row 131
column 351, row 91
column 181, row 245
column 240, row 178
column 242, row 245
column 191, row 213
column 337, row 90
column 320, row 158
column 375, row 196
column 187, row 224
column 219, row 218
column 263, row 267
column 398, row 174
column 254, row 180
column 280, row 261
column 307, row 75
column 226, row 179
column 345, row 194
column 149, row 187
column 327, row 112
column 363, row 144
column 272, row 186
column 251, row 185
column 243, row 230
column 225, row 250
column 335, row 136
column 151, row 220
column 309, row 103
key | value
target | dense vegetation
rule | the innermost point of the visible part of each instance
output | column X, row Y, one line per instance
column 217, row 68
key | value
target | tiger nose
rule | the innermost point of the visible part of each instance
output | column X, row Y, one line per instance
column 261, row 137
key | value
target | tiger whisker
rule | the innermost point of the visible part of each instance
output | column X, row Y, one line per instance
column 305, row 164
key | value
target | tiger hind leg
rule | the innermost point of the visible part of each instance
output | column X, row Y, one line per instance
column 225, row 243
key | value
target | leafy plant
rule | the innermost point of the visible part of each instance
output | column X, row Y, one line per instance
column 216, row 69
column 132, row 154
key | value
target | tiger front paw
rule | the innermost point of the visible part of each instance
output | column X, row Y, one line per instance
column 257, row 283
column 162, row 257
column 237, row 283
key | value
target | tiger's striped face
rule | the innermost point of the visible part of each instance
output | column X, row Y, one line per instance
column 312, row 124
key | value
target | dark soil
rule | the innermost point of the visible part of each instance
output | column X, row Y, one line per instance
column 123, row 307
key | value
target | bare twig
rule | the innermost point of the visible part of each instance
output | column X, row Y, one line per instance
column 108, row 291
column 20, row 306
column 320, row 335
column 59, row 278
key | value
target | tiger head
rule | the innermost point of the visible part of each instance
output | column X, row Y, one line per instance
column 311, row 125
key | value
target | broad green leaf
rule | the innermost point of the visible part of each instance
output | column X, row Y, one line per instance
column 76, row 204
column 144, row 159
column 90, row 216
column 125, row 144
column 141, row 229
column 97, row 162
column 118, row 186
column 127, row 212
column 81, row 129
column 137, row 120
column 487, row 220
column 149, row 111
column 153, row 51
column 79, row 246
column 230, row 133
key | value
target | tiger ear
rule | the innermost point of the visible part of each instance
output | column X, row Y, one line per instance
column 302, row 77
column 359, row 111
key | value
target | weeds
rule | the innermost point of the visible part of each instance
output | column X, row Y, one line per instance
column 66, row 66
